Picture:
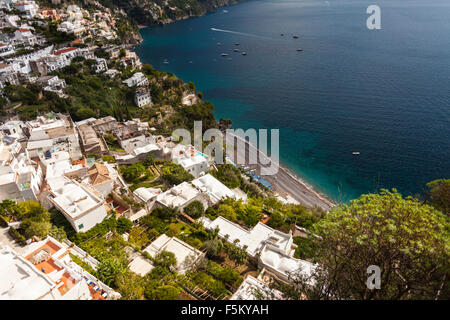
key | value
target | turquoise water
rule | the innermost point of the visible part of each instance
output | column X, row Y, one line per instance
column 382, row 93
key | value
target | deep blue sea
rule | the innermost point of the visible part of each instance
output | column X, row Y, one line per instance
column 383, row 93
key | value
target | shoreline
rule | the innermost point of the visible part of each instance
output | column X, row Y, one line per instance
column 288, row 183
column 285, row 181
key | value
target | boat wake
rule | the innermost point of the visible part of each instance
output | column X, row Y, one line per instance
column 239, row 33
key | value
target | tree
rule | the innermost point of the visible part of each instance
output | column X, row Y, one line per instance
column 228, row 175
column 84, row 113
column 109, row 271
column 165, row 259
column 166, row 292
column 227, row 212
column 123, row 225
column 175, row 174
column 195, row 209
column 407, row 240
column 439, row 194
column 212, row 247
column 165, row 213
column 132, row 172
column 252, row 215
column 238, row 255
column 149, row 160
column 32, row 228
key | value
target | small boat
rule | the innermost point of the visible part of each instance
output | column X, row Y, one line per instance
column 295, row 36
column 218, row 43
column 244, row 53
column 355, row 153
column 236, row 44
column 236, row 50
column 282, row 34
column 299, row 49
column 224, row 54
column 166, row 62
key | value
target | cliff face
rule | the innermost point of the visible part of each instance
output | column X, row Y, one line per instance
column 154, row 12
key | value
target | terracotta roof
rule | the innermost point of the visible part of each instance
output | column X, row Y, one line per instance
column 98, row 173
column 58, row 52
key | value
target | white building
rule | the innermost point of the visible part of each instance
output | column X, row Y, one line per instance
column 272, row 249
column 130, row 143
column 79, row 204
column 6, row 49
column 147, row 196
column 142, row 97
column 254, row 289
column 20, row 177
column 25, row 36
column 138, row 79
column 185, row 254
column 192, row 161
column 215, row 190
column 29, row 8
column 47, row 272
column 180, row 196
column 100, row 179
column 100, row 65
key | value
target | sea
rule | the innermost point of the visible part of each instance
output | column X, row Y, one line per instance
column 383, row 93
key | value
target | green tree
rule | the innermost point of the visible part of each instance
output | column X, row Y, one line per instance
column 109, row 271
column 238, row 255
column 195, row 209
column 123, row 225
column 212, row 247
column 84, row 113
column 439, row 194
column 165, row 213
column 166, row 292
column 165, row 259
column 407, row 240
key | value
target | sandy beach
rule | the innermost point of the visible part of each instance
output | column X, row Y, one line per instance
column 283, row 181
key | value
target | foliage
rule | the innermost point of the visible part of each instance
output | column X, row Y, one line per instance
column 165, row 259
column 225, row 274
column 306, row 248
column 131, row 173
column 108, row 272
column 194, row 209
column 123, row 225
column 165, row 213
column 212, row 247
column 228, row 175
column 408, row 240
column 166, row 292
column 175, row 174
column 238, row 255
column 439, row 194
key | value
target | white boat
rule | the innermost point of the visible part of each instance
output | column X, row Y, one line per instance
column 224, row 54
column 355, row 153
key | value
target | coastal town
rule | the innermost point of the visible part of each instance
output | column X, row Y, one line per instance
column 121, row 182
column 97, row 199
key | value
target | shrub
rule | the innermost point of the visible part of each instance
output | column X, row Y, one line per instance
column 195, row 209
